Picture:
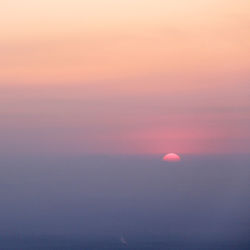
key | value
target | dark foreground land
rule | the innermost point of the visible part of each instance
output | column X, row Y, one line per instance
column 78, row 244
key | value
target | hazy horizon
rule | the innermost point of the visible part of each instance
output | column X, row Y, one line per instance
column 94, row 93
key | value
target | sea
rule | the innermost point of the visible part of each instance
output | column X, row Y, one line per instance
column 125, row 202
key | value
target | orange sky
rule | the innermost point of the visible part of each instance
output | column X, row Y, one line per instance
column 134, row 76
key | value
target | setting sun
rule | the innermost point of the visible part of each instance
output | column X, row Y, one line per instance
column 171, row 157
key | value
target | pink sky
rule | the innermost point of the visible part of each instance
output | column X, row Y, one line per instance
column 122, row 77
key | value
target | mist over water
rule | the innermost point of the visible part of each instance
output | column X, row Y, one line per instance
column 200, row 202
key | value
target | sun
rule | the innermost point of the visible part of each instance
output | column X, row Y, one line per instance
column 171, row 157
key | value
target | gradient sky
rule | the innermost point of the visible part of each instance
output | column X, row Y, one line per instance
column 125, row 77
